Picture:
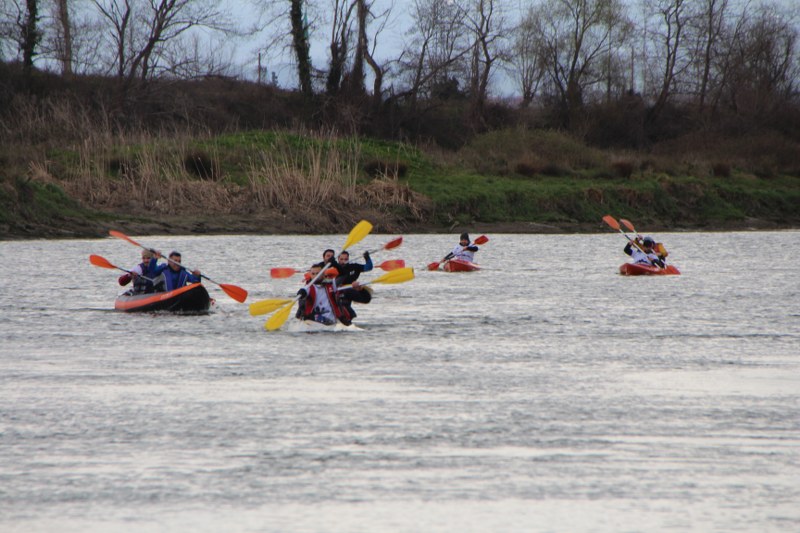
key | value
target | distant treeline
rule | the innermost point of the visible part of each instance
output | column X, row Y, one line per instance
column 613, row 73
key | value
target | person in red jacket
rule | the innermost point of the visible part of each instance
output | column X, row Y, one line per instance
column 320, row 301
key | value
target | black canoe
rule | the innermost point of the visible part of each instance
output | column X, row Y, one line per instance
column 191, row 298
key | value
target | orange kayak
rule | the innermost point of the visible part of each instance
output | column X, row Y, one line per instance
column 638, row 269
column 459, row 265
column 191, row 298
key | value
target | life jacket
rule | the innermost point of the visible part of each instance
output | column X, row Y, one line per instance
column 661, row 251
column 464, row 253
column 141, row 285
column 175, row 280
column 642, row 258
column 322, row 305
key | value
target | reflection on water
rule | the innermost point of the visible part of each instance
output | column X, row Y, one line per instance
column 543, row 393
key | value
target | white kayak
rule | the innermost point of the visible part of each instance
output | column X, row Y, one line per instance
column 309, row 326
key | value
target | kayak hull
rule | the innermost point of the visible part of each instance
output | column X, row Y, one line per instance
column 637, row 269
column 310, row 326
column 191, row 298
column 459, row 265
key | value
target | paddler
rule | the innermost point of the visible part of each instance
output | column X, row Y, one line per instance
column 643, row 252
column 464, row 251
column 142, row 274
column 349, row 273
column 175, row 275
column 319, row 302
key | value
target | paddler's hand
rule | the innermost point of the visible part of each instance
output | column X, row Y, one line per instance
column 357, row 286
column 196, row 272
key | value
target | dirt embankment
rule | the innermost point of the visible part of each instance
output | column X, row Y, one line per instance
column 306, row 224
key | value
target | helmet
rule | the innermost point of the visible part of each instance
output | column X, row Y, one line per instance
column 331, row 273
column 648, row 241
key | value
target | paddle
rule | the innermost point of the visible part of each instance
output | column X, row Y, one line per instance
column 483, row 239
column 281, row 272
column 391, row 245
column 235, row 292
column 277, row 320
column 612, row 222
column 102, row 262
column 262, row 307
column 400, row 275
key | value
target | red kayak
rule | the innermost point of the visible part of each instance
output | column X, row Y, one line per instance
column 459, row 265
column 191, row 298
column 639, row 269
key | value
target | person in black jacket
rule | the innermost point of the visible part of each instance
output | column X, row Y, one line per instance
column 348, row 275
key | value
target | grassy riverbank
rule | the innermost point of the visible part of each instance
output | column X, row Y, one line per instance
column 512, row 180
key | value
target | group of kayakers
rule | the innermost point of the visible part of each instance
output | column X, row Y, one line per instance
column 331, row 286
column 328, row 296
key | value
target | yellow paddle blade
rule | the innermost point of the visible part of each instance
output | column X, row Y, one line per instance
column 279, row 319
column 262, row 307
column 360, row 231
column 401, row 275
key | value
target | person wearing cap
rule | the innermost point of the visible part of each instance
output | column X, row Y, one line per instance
column 318, row 301
column 173, row 274
column 644, row 252
column 464, row 250
column 142, row 274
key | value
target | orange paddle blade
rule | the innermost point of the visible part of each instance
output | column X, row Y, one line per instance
column 237, row 293
column 392, row 264
column 611, row 221
column 100, row 261
column 628, row 224
column 120, row 235
column 282, row 272
column 433, row 266
column 394, row 243
column 483, row 239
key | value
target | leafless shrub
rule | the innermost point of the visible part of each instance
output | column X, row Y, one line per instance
column 202, row 165
column 623, row 169
column 381, row 169
column 721, row 170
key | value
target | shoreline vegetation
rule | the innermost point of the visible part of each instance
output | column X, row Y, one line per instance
column 78, row 159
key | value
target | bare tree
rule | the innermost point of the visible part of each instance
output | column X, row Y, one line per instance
column 575, row 36
column 28, row 32
column 525, row 59
column 486, row 24
column 764, row 71
column 142, row 31
column 301, row 46
column 435, row 48
column 711, row 24
column 673, row 17
column 339, row 46
column 64, row 36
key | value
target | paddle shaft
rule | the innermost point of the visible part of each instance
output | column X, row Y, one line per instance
column 102, row 262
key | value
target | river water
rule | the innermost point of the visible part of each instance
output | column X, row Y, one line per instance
column 544, row 393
